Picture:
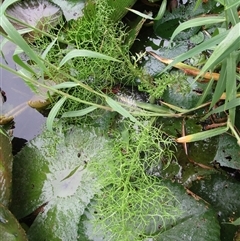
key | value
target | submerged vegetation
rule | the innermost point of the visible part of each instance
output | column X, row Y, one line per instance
column 107, row 159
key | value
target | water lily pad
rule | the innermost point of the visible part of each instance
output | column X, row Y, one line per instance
column 40, row 14
column 222, row 193
column 5, row 169
column 10, row 229
column 228, row 153
column 197, row 221
column 51, row 173
column 71, row 9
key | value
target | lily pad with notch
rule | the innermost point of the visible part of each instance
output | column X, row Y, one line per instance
column 51, row 178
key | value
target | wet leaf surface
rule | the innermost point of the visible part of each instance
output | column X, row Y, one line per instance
column 5, row 169
column 10, row 229
column 222, row 193
column 39, row 14
column 54, row 172
column 228, row 153
column 71, row 9
column 166, row 26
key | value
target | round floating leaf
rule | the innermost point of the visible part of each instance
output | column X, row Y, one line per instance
column 5, row 169
column 197, row 222
column 40, row 14
column 71, row 10
column 222, row 193
column 10, row 229
column 228, row 153
column 51, row 173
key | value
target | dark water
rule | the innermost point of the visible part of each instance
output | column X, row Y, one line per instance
column 28, row 122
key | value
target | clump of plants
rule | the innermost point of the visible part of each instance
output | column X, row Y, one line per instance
column 95, row 31
column 134, row 203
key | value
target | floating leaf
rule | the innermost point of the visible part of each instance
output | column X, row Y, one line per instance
column 54, row 171
column 228, row 153
column 71, row 9
column 10, row 229
column 221, row 191
column 5, row 169
column 38, row 14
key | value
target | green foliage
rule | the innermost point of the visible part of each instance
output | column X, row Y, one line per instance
column 164, row 81
column 225, row 46
column 134, row 202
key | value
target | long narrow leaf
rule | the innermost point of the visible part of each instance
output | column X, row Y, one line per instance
column 18, row 39
column 5, row 5
column 143, row 15
column 208, row 44
column 231, row 84
column 202, row 135
column 45, row 52
column 118, row 108
column 197, row 22
column 232, row 104
column 221, row 85
column 52, row 114
column 85, row 53
column 161, row 10
column 227, row 46
column 78, row 113
column 65, row 85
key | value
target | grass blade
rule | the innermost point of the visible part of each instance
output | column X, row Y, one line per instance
column 195, row 22
column 65, row 85
column 208, row 44
column 79, row 112
column 52, row 114
column 140, row 14
column 18, row 39
column 202, row 135
column 85, row 53
column 118, row 108
column 226, row 47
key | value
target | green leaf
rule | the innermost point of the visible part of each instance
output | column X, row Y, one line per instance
column 197, row 222
column 236, row 222
column 118, row 108
column 49, row 47
column 85, row 53
column 207, row 44
column 143, row 15
column 220, row 191
column 18, row 40
column 120, row 8
column 79, row 112
column 52, row 114
column 228, row 152
column 197, row 22
column 65, row 85
column 52, row 172
column 203, row 135
column 10, row 229
column 225, row 48
column 161, row 10
column 6, row 159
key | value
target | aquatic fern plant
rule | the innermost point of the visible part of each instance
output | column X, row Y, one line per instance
column 134, row 203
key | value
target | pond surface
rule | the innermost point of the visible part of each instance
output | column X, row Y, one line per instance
column 28, row 121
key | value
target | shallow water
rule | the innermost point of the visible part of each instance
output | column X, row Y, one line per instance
column 28, row 122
